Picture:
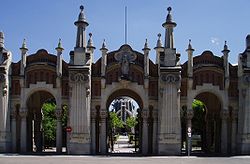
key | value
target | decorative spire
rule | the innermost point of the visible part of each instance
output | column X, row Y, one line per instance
column 24, row 46
column 59, row 46
column 169, row 26
column 90, row 42
column 225, row 50
column 159, row 44
column 1, row 39
column 169, row 16
column 146, row 46
column 81, row 16
column 81, row 25
column 190, row 48
column 104, row 47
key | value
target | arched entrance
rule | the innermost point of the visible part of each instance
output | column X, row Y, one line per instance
column 206, row 124
column 211, row 133
column 126, row 106
column 35, row 118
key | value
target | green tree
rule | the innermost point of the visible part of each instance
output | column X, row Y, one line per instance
column 199, row 115
column 131, row 122
column 49, row 123
column 116, row 122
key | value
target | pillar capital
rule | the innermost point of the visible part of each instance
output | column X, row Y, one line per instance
column 224, row 114
column 234, row 114
column 58, row 113
column 93, row 114
column 155, row 114
column 103, row 114
column 23, row 113
column 13, row 114
column 144, row 113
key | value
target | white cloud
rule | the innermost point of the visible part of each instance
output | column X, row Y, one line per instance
column 215, row 40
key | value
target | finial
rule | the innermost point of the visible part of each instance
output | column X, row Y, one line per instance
column 59, row 46
column 81, row 17
column 104, row 47
column 190, row 48
column 90, row 42
column 225, row 48
column 159, row 35
column 24, row 46
column 24, row 43
column 81, row 8
column 146, row 46
column 169, row 10
column 169, row 18
column 60, row 43
column 159, row 44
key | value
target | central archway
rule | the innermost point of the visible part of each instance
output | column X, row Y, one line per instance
column 124, row 122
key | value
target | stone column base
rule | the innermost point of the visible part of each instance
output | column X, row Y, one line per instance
column 244, row 148
column 79, row 148
column 5, row 147
column 79, row 143
column 169, row 149
column 5, row 142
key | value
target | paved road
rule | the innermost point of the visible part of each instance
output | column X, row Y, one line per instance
column 17, row 159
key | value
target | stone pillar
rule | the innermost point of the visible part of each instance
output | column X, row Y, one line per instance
column 144, row 131
column 58, row 130
column 13, row 129
column 23, row 113
column 155, row 130
column 224, row 135
column 103, row 131
column 190, row 115
column 169, row 133
column 93, row 131
column 234, row 130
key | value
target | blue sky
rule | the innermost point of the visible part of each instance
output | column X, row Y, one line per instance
column 207, row 23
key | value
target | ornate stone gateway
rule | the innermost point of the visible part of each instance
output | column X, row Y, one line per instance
column 162, row 90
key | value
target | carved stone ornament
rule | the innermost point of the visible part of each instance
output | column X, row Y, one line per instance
column 103, row 114
column 13, row 114
column 125, row 56
column 170, row 78
column 78, row 77
column 58, row 113
column 23, row 114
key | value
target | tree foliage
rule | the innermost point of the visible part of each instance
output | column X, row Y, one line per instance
column 116, row 122
column 49, row 123
column 131, row 122
column 199, row 115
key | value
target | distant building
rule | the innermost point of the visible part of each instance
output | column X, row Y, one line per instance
column 163, row 90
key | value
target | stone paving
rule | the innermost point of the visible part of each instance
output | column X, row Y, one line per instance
column 21, row 159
